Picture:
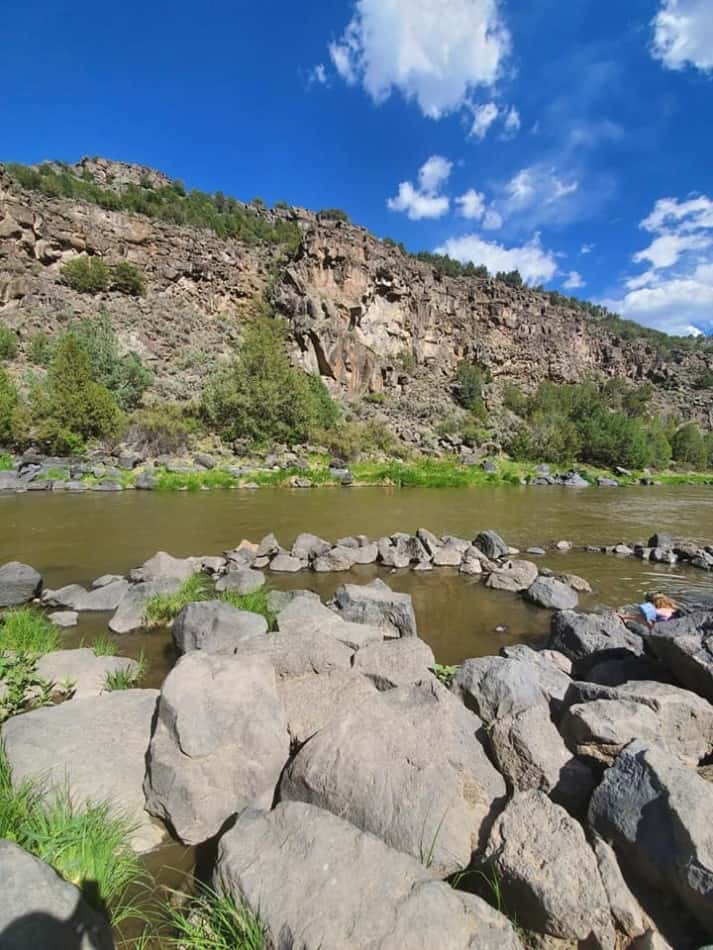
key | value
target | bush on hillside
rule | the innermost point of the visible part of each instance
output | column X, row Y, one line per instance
column 14, row 419
column 8, row 344
column 39, row 348
column 333, row 214
column 164, row 430
column 258, row 395
column 689, row 447
column 469, row 381
column 127, row 279
column 86, row 275
column 123, row 375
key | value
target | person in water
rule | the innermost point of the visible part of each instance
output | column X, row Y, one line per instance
column 656, row 609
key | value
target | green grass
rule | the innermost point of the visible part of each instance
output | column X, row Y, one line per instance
column 89, row 848
column 213, row 921
column 104, row 645
column 56, row 475
column 26, row 630
column 444, row 673
column 18, row 677
column 194, row 481
column 126, row 678
column 161, row 609
column 5, row 462
column 256, row 602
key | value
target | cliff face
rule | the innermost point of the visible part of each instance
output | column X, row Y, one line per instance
column 362, row 314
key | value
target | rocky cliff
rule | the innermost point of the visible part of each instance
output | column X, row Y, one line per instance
column 363, row 314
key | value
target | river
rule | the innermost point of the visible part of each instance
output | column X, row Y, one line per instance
column 73, row 539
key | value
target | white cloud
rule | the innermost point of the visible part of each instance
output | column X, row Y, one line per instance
column 512, row 121
column 432, row 51
column 587, row 248
column 471, row 205
column 537, row 184
column 492, row 220
column 483, row 117
column 689, row 215
column 318, row 75
column 683, row 34
column 665, row 250
column 532, row 260
column 426, row 200
column 434, row 173
column 574, row 280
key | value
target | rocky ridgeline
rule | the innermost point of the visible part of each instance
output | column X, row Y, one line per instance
column 345, row 784
column 361, row 313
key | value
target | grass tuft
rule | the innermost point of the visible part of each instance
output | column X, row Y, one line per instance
column 213, row 921
column 104, row 645
column 161, row 609
column 26, row 630
column 5, row 462
column 257, row 603
column 126, row 678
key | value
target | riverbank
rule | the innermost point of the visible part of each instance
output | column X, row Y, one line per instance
column 206, row 473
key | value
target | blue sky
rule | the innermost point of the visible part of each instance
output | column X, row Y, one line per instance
column 572, row 140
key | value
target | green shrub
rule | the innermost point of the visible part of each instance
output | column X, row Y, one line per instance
column 469, row 385
column 689, row 447
column 333, row 214
column 14, row 418
column 86, row 275
column 72, row 408
column 352, row 439
column 21, row 686
column 259, row 396
column 164, row 430
column 26, row 630
column 40, row 348
column 406, row 361
column 8, row 344
column 515, row 400
column 5, row 462
column 375, row 399
column 124, row 376
column 127, row 279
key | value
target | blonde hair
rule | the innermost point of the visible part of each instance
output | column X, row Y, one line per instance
column 661, row 602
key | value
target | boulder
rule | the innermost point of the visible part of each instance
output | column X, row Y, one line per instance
column 64, row 618
column 81, row 672
column 548, row 873
column 313, row 700
column 603, row 720
column 242, row 581
column 491, row 544
column 336, row 559
column 494, row 687
column 309, row 546
column 268, row 547
column 277, row 600
column 658, row 815
column 514, row 576
column 589, row 638
column 685, row 646
column 94, row 748
column 286, row 564
column 394, row 904
column 306, row 615
column 366, row 553
column 447, row 556
column 391, row 555
column 429, row 540
column 290, row 655
column 100, row 599
column 39, row 909
column 106, row 579
column 215, row 627
column 629, row 918
column 219, row 743
column 129, row 615
column 19, row 583
column 394, row 663
column 163, row 566
column 377, row 604
column 413, row 744
column 552, row 594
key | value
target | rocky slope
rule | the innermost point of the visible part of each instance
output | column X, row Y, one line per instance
column 362, row 313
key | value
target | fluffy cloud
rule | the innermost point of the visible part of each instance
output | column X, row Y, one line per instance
column 532, row 260
column 538, row 185
column 318, row 75
column 424, row 201
column 471, row 205
column 574, row 281
column 430, row 51
column 492, row 220
column 483, row 117
column 512, row 121
column 587, row 248
column 675, row 293
column 683, row 34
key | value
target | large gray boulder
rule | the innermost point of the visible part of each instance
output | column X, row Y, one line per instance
column 548, row 873
column 95, row 748
column 551, row 668
column 336, row 559
column 313, row 700
column 587, row 638
column 658, row 815
column 305, row 615
column 103, row 598
column 377, row 604
column 513, row 576
column 19, row 583
column 685, row 646
column 315, row 652
column 317, row 882
column 491, row 544
column 415, row 745
column 40, row 910
column 215, row 627
column 494, row 686
column 603, row 720
column 308, row 546
column 163, row 566
column 552, row 594
column 628, row 915
column 80, row 672
column 219, row 743
column 241, row 581
column 129, row 615
column 395, row 662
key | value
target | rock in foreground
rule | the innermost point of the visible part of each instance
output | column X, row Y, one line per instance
column 317, row 882
column 19, row 583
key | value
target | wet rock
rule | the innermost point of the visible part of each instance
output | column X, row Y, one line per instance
column 549, row 873
column 491, row 544
column 390, row 555
column 213, row 626
column 685, row 646
column 657, row 814
column 448, row 555
column 101, row 599
column 576, row 582
column 337, row 559
column 514, row 576
column 242, row 581
column 308, row 546
column 268, row 547
column 416, row 744
column 377, row 604
column 80, row 672
column 552, row 594
column 366, row 553
column 19, row 583
column 286, row 564
column 312, row 701
column 394, row 663
column 220, row 727
column 94, row 748
column 40, row 909
column 394, row 904
column 64, row 618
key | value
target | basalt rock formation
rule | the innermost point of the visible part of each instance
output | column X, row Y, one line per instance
column 363, row 314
